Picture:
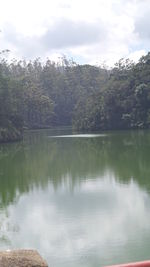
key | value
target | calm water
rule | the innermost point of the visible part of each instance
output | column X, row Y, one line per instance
column 80, row 200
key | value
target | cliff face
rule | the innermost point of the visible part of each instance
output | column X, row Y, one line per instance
column 21, row 258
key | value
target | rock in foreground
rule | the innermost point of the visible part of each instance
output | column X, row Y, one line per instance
column 21, row 258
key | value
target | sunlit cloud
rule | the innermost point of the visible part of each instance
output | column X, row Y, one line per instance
column 91, row 31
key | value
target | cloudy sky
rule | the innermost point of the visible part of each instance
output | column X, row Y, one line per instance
column 89, row 31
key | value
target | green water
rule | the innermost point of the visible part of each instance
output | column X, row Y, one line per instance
column 80, row 200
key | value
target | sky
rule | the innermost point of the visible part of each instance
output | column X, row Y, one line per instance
column 97, row 32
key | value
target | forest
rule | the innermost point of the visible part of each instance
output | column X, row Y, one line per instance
column 37, row 95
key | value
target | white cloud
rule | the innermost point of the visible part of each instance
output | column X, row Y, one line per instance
column 136, row 55
column 94, row 30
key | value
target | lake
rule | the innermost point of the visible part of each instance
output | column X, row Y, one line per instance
column 81, row 200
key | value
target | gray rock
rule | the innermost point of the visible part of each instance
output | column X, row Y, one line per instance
column 21, row 258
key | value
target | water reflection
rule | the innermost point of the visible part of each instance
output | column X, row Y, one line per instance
column 79, row 201
column 40, row 160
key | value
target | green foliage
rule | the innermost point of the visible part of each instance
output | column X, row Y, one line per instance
column 123, row 102
column 36, row 95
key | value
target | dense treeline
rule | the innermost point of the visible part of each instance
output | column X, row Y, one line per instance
column 123, row 102
column 37, row 95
